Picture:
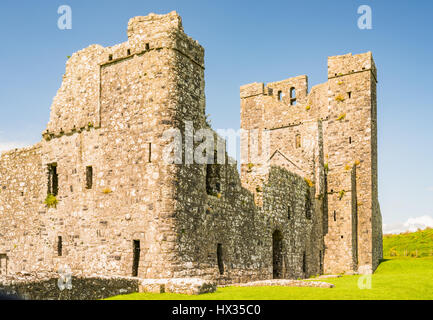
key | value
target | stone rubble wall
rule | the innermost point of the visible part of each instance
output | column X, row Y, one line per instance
column 21, row 206
column 346, row 109
column 44, row 286
column 194, row 220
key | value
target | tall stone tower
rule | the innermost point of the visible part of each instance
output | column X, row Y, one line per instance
column 354, row 238
column 329, row 137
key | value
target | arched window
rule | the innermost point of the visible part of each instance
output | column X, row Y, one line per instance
column 292, row 96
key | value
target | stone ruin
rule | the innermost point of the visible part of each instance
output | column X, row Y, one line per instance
column 305, row 204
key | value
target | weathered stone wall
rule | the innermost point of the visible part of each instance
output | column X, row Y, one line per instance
column 194, row 220
column 345, row 108
column 45, row 287
column 21, row 208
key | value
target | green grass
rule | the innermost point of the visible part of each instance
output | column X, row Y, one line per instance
column 415, row 244
column 397, row 277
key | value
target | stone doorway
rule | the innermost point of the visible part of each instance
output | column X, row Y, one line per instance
column 136, row 257
column 277, row 254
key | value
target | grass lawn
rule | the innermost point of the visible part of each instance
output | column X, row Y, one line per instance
column 414, row 244
column 395, row 278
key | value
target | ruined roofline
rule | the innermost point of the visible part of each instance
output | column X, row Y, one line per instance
column 152, row 34
column 18, row 151
column 338, row 66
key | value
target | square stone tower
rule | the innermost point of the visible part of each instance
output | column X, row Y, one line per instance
column 329, row 137
column 350, row 147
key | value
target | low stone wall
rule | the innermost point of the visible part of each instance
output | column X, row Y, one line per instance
column 45, row 287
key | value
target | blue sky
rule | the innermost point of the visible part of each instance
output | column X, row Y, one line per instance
column 246, row 41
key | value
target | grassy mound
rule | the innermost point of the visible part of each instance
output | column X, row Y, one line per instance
column 415, row 244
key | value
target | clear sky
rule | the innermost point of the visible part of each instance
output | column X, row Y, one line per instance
column 246, row 41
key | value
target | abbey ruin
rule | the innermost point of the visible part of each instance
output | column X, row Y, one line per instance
column 95, row 193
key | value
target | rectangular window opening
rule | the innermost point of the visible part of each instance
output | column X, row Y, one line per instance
column 220, row 258
column 59, row 246
column 304, row 263
column 136, row 257
column 298, row 141
column 89, row 177
column 53, row 179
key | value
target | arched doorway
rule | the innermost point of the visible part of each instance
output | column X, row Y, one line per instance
column 277, row 255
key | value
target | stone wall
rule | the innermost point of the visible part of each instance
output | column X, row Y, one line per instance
column 123, row 210
column 45, row 287
column 21, row 208
column 345, row 141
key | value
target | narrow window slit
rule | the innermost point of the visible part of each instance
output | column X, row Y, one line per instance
column 220, row 258
column 89, row 177
column 59, row 246
column 53, row 179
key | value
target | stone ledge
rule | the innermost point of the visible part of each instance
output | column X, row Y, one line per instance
column 283, row 283
column 191, row 286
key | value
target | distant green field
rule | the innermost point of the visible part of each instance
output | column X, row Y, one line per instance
column 415, row 244
column 397, row 277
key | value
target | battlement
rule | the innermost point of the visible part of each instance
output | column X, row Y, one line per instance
column 153, row 25
column 348, row 64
